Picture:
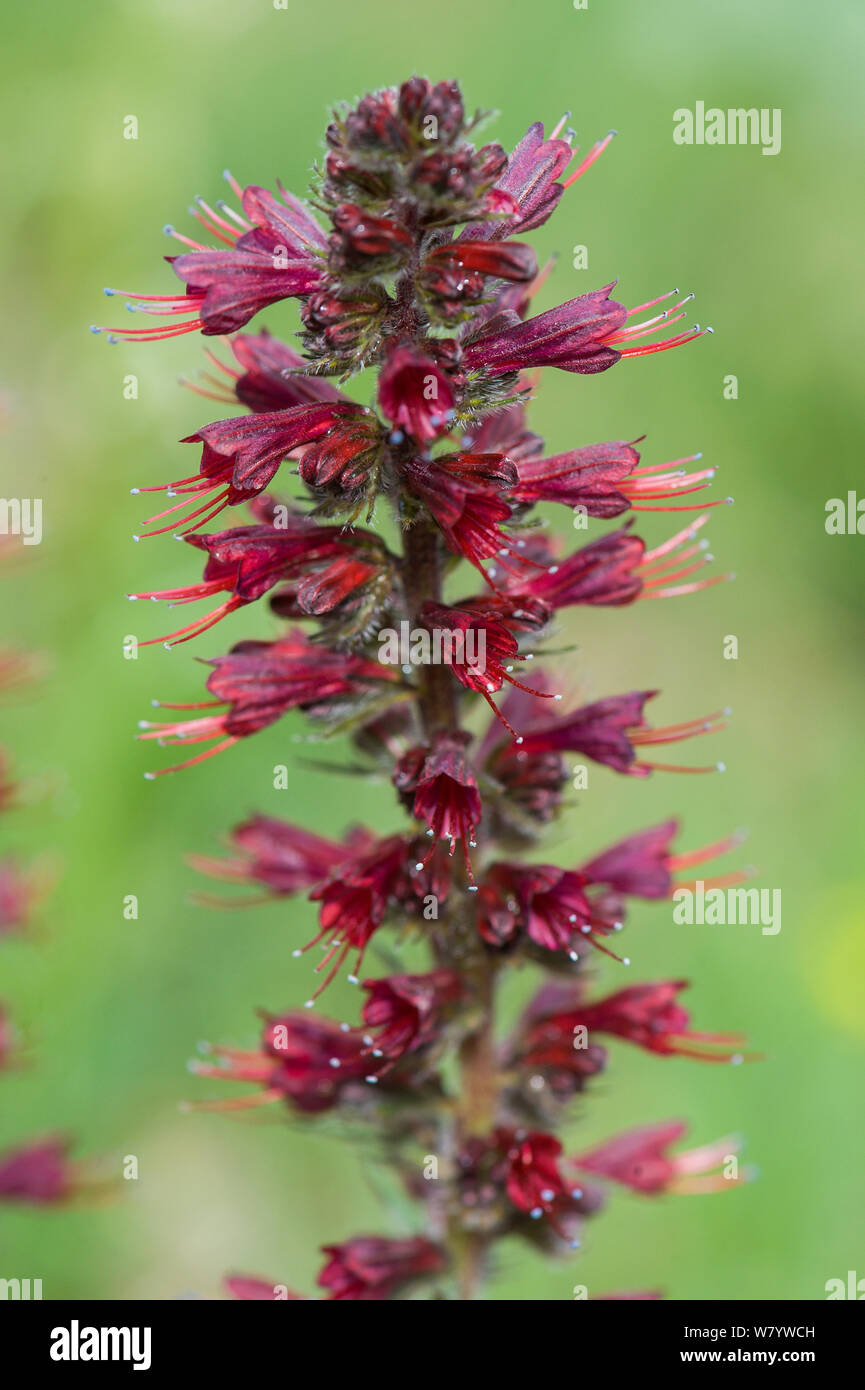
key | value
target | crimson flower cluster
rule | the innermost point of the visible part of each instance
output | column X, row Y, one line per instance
column 409, row 261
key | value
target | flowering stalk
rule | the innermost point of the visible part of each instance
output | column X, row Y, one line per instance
column 417, row 275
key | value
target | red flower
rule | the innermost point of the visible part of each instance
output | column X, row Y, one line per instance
column 40, row 1172
column 285, row 858
column 354, row 903
column 530, row 180
column 415, row 394
column 261, row 681
column 274, row 258
column 241, row 457
column 609, row 731
column 547, row 903
column 638, row 1160
column 359, row 237
column 586, row 335
column 642, row 865
column 645, row 1014
column 602, row 573
column 613, row 570
column 543, row 1044
column 20, row 893
column 248, row 1289
column 274, row 376
column 344, row 459
column 455, row 275
column 247, row 561
column 311, row 1063
column 373, row 1268
column 476, row 649
column 533, row 1181
column 404, row 1012
column 445, row 792
column 469, row 514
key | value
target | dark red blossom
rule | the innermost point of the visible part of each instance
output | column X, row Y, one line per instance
column 547, row 903
column 355, row 901
column 359, row 237
column 273, row 254
column 638, row 1159
column 646, row 1014
column 480, row 651
column 246, row 561
column 343, row 460
column 534, row 1183
column 443, row 792
column 311, row 1063
column 284, row 858
column 274, row 376
column 530, row 179
column 455, row 275
column 405, row 1012
column 544, row 1045
column 642, row 865
column 604, row 480
column 241, row 457
column 601, row 573
column 415, row 393
column 41, row 1172
column 372, row 1268
column 469, row 514
column 261, row 681
column 584, row 335
column 249, row 1289
column 610, row 731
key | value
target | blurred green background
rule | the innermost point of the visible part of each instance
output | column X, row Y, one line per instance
column 772, row 246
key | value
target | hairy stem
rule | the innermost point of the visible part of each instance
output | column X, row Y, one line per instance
column 458, row 946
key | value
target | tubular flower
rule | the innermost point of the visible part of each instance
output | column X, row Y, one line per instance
column 587, row 334
column 646, row 1014
column 247, row 561
column 444, row 793
column 251, row 1290
column 372, row 1268
column 274, row 253
column 604, row 480
column 642, row 865
column 476, row 650
column 415, row 394
column 534, row 1183
column 42, row 1173
column 310, row 1063
column 241, row 457
column 415, row 271
column 354, row 903
column 284, row 858
column 610, row 732
column 638, row 1160
column 404, row 1012
column 261, row 681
